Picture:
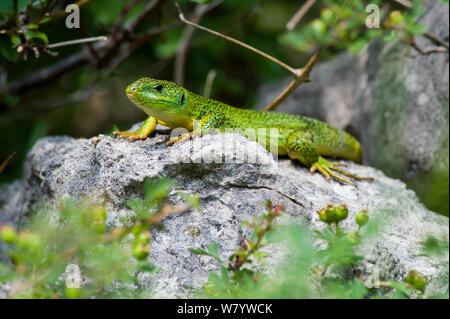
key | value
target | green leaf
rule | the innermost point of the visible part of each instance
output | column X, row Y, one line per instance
column 7, row 50
column 32, row 26
column 15, row 39
column 393, row 36
column 417, row 29
column 146, row 266
column 36, row 35
column 45, row 20
column 357, row 46
column 224, row 272
column 218, row 281
column 213, row 251
column 401, row 287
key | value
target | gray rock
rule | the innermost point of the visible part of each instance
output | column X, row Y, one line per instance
column 231, row 190
column 395, row 101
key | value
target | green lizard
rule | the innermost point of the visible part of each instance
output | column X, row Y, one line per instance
column 299, row 137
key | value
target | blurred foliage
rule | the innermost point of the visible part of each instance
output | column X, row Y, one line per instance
column 108, row 260
column 340, row 27
column 75, row 233
column 308, row 270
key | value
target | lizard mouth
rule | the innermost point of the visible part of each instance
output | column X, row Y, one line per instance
column 130, row 90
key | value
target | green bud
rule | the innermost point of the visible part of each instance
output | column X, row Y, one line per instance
column 143, row 237
column 99, row 213
column 328, row 215
column 341, row 212
column 411, row 277
column 98, row 227
column 72, row 293
column 141, row 250
column 28, row 240
column 327, row 15
column 319, row 27
column 417, row 281
column 331, row 216
column 396, row 17
column 8, row 234
column 322, row 215
column 362, row 217
column 420, row 283
column 137, row 228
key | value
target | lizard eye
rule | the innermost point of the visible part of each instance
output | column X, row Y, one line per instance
column 159, row 88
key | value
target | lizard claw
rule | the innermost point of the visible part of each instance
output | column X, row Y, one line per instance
column 178, row 139
column 329, row 170
column 130, row 135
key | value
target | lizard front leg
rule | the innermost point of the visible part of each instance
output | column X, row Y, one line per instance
column 142, row 133
column 300, row 146
column 207, row 123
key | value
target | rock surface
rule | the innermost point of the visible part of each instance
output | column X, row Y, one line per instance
column 395, row 101
column 230, row 191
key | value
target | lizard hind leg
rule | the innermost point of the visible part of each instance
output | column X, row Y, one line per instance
column 300, row 146
column 142, row 133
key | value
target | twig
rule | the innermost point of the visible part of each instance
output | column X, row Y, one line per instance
column 53, row 72
column 437, row 49
column 121, row 18
column 6, row 161
column 301, row 75
column 208, row 83
column 183, row 47
column 299, row 14
column 340, row 11
column 168, row 209
column 435, row 39
column 284, row 65
column 135, row 43
column 79, row 41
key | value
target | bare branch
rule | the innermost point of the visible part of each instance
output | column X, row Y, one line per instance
column 183, row 47
column 284, row 65
column 437, row 49
column 79, row 41
column 51, row 73
column 136, row 42
column 208, row 83
column 6, row 161
column 168, row 209
column 435, row 39
column 299, row 14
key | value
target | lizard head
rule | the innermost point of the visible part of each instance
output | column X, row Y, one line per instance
column 161, row 99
